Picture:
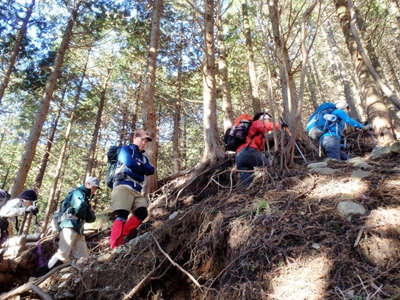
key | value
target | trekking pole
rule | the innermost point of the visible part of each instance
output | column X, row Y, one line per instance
column 295, row 143
column 20, row 230
column 28, row 225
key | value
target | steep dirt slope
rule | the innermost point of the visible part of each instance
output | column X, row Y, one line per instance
column 284, row 239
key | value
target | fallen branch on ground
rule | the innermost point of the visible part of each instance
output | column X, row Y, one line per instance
column 175, row 264
column 28, row 286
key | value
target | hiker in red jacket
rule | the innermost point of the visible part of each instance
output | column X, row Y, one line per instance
column 251, row 153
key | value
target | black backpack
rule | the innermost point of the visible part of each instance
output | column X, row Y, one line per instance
column 236, row 135
column 112, row 161
column 4, row 197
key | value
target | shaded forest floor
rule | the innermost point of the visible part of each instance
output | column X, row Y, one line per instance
column 281, row 239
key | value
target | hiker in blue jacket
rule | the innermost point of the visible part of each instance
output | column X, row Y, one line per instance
column 127, row 196
column 330, row 140
column 76, row 210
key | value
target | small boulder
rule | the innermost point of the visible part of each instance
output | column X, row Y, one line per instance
column 360, row 174
column 324, row 171
column 322, row 164
column 395, row 147
column 347, row 209
column 359, row 162
column 381, row 152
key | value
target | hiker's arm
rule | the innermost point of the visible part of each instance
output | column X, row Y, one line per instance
column 147, row 167
column 125, row 157
column 268, row 126
column 12, row 209
column 345, row 117
column 79, row 204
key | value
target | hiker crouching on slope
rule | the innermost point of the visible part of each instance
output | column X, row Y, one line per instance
column 251, row 153
column 126, row 195
column 330, row 140
column 75, row 211
column 23, row 204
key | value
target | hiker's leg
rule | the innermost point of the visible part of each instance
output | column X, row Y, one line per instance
column 3, row 230
column 80, row 248
column 246, row 160
column 121, row 204
column 331, row 145
column 65, row 244
column 260, row 159
column 116, row 237
column 344, row 155
column 139, row 214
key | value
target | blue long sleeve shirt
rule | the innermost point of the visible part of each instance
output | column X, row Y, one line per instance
column 133, row 166
column 337, row 128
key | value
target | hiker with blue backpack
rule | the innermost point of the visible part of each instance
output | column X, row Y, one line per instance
column 327, row 124
column 74, row 211
column 131, row 167
column 250, row 136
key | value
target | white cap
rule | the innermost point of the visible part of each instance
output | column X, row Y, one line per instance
column 341, row 105
column 93, row 181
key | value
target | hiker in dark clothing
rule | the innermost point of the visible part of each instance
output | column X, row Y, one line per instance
column 4, row 197
column 76, row 210
column 127, row 195
column 251, row 153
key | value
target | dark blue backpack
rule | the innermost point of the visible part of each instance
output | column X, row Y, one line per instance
column 316, row 123
column 112, row 158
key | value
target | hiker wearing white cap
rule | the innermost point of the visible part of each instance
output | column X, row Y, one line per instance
column 327, row 124
column 75, row 210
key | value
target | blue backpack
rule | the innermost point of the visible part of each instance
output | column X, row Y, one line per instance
column 319, row 121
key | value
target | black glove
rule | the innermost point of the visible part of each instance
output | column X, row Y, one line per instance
column 32, row 210
column 284, row 124
column 368, row 127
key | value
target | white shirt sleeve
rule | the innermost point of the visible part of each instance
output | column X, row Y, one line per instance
column 12, row 208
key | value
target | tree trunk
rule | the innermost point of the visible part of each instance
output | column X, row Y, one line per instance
column 254, row 84
column 315, row 72
column 51, row 205
column 93, row 143
column 16, row 49
column 149, row 108
column 377, row 111
column 212, row 149
column 223, row 73
column 3, row 134
column 339, row 69
column 133, row 118
column 31, row 143
column 184, row 143
column 288, row 84
column 311, row 88
column 393, row 74
column 50, row 140
column 176, row 138
column 124, row 122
